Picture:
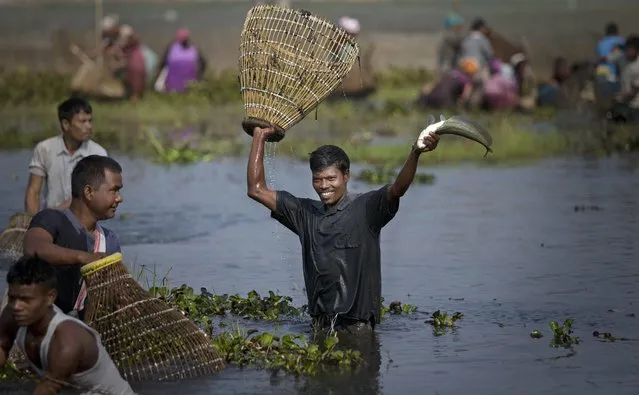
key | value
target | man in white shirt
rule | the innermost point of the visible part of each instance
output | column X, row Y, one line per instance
column 630, row 75
column 54, row 158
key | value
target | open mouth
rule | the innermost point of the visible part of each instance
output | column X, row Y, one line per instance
column 326, row 195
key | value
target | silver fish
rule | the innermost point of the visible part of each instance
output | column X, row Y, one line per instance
column 459, row 126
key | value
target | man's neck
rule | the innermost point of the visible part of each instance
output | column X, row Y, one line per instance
column 39, row 329
column 83, row 214
column 71, row 145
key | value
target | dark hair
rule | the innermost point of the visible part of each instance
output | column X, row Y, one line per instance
column 612, row 29
column 477, row 24
column 327, row 156
column 559, row 61
column 72, row 106
column 91, row 170
column 29, row 270
column 632, row 42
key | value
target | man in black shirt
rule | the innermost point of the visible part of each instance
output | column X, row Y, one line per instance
column 339, row 233
column 71, row 238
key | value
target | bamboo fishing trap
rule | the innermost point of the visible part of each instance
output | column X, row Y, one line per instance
column 290, row 61
column 12, row 238
column 146, row 338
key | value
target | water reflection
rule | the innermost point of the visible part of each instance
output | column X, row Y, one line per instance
column 364, row 380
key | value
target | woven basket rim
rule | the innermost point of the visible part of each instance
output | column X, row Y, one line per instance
column 294, row 10
column 100, row 264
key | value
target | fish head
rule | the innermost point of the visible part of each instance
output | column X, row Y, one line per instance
column 433, row 127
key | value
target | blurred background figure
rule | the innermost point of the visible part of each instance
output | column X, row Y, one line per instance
column 110, row 31
column 360, row 82
column 450, row 45
column 181, row 64
column 526, row 82
column 134, row 67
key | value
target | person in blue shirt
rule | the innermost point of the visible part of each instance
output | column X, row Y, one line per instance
column 607, row 44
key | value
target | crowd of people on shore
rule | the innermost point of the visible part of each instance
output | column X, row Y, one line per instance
column 138, row 68
column 472, row 74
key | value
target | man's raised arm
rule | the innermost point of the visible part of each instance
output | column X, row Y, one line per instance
column 255, row 178
column 407, row 174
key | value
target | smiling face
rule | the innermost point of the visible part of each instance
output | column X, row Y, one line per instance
column 330, row 184
column 105, row 199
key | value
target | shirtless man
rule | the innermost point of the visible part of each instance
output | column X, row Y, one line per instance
column 339, row 233
column 71, row 238
column 53, row 159
column 60, row 349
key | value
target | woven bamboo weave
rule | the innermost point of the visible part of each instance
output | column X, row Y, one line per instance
column 12, row 238
column 290, row 61
column 11, row 241
column 147, row 339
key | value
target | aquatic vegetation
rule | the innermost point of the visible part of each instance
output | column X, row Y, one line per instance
column 293, row 354
column 444, row 320
column 9, row 372
column 206, row 304
column 396, row 307
column 387, row 174
column 180, row 155
column 536, row 334
column 562, row 336
column 441, row 322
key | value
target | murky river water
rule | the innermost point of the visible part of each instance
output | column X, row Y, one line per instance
column 502, row 245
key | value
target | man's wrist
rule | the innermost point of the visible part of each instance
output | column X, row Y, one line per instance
column 415, row 151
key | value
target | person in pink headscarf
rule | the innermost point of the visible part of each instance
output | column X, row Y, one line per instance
column 500, row 89
column 182, row 62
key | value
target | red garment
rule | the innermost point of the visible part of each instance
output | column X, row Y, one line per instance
column 135, row 68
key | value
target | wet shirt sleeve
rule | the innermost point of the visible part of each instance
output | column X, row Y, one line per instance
column 38, row 166
column 288, row 211
column 49, row 220
column 379, row 209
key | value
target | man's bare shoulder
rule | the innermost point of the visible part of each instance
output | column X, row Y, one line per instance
column 70, row 334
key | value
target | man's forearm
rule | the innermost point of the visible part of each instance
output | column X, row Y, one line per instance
column 53, row 254
column 31, row 202
column 255, row 171
column 406, row 175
